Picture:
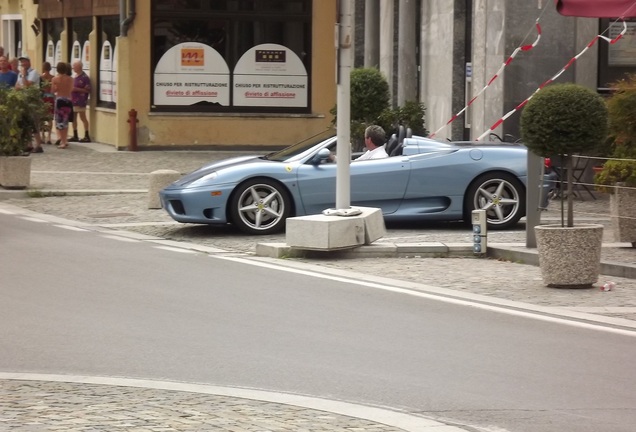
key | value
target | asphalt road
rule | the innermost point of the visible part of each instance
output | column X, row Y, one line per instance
column 78, row 301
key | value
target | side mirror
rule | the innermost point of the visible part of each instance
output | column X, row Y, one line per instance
column 322, row 155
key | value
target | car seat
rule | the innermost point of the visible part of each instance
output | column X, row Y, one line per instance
column 391, row 144
column 396, row 149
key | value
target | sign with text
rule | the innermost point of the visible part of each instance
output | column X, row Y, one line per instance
column 192, row 73
column 50, row 53
column 106, row 73
column 81, row 53
column 270, row 75
column 86, row 56
column 58, row 53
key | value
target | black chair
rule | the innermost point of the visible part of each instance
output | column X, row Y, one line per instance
column 579, row 169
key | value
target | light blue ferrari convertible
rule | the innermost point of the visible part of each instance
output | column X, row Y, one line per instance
column 422, row 179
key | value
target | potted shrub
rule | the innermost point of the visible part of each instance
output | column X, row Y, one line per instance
column 618, row 175
column 566, row 119
column 369, row 98
column 21, row 114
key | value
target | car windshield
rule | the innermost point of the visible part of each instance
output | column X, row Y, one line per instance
column 294, row 150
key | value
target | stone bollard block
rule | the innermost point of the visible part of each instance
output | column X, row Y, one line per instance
column 158, row 180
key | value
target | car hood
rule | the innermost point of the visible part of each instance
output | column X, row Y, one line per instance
column 216, row 166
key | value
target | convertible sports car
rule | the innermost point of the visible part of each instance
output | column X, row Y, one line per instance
column 423, row 179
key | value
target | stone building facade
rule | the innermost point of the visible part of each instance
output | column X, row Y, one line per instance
column 442, row 52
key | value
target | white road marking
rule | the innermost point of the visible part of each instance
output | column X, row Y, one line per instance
column 32, row 219
column 71, row 228
column 535, row 313
column 124, row 239
column 174, row 249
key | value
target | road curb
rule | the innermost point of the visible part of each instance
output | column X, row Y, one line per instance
column 516, row 253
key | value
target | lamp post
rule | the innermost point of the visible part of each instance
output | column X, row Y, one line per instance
column 344, row 49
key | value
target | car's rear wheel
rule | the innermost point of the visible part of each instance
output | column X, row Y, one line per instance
column 260, row 206
column 501, row 195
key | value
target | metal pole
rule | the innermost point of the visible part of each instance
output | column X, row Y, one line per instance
column 344, row 41
column 533, row 214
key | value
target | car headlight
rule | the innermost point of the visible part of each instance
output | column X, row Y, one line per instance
column 205, row 180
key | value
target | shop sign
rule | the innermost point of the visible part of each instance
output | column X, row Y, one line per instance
column 191, row 73
column 270, row 75
column 106, row 73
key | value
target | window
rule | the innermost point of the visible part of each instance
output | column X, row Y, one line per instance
column 107, row 88
column 616, row 60
column 52, row 31
column 79, row 29
column 231, row 55
column 11, row 38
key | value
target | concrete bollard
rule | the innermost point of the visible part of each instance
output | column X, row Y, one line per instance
column 158, row 180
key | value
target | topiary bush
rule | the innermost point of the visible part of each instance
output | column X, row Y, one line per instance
column 369, row 94
column 564, row 119
column 370, row 97
column 370, row 104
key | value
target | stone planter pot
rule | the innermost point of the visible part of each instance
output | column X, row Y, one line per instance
column 15, row 172
column 569, row 257
column 623, row 215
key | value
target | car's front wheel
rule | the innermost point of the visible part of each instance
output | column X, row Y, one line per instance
column 501, row 195
column 260, row 206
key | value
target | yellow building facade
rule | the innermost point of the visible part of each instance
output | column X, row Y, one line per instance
column 197, row 73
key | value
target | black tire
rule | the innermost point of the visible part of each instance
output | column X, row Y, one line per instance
column 260, row 206
column 502, row 196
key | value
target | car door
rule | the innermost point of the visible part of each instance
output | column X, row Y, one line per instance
column 379, row 183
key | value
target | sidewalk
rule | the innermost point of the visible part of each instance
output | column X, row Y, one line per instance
column 33, row 402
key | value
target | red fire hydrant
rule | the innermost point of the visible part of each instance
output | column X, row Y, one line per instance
column 132, row 138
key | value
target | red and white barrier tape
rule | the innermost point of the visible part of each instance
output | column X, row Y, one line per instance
column 570, row 63
column 503, row 66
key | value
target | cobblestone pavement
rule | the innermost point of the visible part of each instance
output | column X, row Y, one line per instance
column 61, row 406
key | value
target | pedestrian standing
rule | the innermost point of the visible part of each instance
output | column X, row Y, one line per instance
column 81, row 92
column 49, row 98
column 8, row 78
column 62, row 87
column 28, row 77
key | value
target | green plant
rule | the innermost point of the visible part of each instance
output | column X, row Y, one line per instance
column 22, row 113
column 564, row 119
column 35, row 193
column 410, row 115
column 370, row 104
column 616, row 171
column 621, row 107
column 369, row 98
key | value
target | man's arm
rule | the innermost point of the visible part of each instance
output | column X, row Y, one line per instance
column 85, row 86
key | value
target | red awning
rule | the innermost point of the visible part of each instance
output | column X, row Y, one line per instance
column 597, row 8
